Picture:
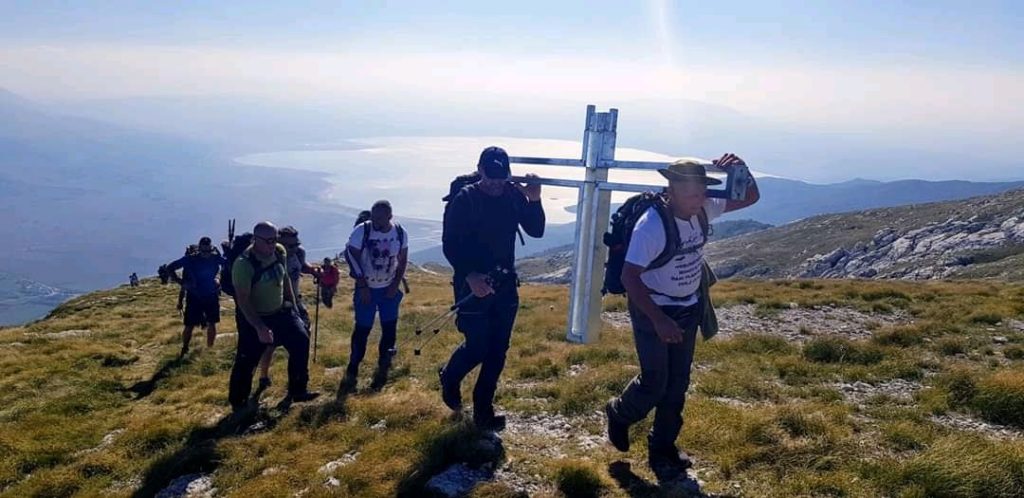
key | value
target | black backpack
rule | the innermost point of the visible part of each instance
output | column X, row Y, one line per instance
column 238, row 246
column 622, row 223
column 232, row 251
column 457, row 185
column 368, row 225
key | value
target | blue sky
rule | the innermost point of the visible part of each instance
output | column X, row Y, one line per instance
column 954, row 31
column 929, row 72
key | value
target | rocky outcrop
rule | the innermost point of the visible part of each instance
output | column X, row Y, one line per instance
column 982, row 237
column 936, row 250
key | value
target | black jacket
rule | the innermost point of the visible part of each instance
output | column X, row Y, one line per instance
column 480, row 229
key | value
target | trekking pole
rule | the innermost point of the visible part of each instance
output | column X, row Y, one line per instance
column 316, row 317
column 439, row 321
column 432, row 322
column 435, row 333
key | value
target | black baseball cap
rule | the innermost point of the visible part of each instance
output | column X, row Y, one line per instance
column 494, row 163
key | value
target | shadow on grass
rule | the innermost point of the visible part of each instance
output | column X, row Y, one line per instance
column 460, row 443
column 385, row 375
column 316, row 416
column 145, row 388
column 638, row 487
column 199, row 453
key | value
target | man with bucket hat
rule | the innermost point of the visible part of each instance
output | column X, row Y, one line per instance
column 665, row 308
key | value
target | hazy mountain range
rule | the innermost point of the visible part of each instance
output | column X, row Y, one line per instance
column 123, row 186
column 785, row 201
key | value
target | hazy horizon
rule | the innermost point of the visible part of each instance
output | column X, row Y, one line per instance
column 892, row 91
column 822, row 93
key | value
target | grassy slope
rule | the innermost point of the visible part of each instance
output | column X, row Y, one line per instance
column 792, row 434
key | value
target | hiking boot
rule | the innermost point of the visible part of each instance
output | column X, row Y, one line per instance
column 450, row 395
column 348, row 384
column 184, row 351
column 384, row 363
column 380, row 377
column 304, row 396
column 489, row 422
column 618, row 432
column 665, row 467
column 680, row 459
column 671, row 455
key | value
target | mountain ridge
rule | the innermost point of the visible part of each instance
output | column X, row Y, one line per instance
column 979, row 237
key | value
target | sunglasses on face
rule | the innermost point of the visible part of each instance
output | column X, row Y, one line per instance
column 268, row 240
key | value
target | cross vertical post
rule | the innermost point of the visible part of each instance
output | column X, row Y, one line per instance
column 592, row 212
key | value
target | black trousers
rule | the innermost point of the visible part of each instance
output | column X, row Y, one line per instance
column 664, row 376
column 289, row 332
column 487, row 326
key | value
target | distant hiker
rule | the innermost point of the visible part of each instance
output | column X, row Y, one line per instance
column 479, row 233
column 133, row 280
column 199, row 269
column 378, row 252
column 666, row 305
column 328, row 280
column 266, row 317
column 289, row 238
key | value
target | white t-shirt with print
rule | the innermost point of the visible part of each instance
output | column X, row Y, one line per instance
column 379, row 260
column 680, row 277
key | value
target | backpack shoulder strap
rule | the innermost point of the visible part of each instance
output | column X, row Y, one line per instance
column 280, row 258
column 257, row 268
column 401, row 235
column 367, row 226
column 668, row 221
column 705, row 224
column 705, row 228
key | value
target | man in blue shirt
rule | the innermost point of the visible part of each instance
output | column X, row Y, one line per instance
column 202, row 291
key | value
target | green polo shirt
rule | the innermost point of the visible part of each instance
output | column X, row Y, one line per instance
column 267, row 295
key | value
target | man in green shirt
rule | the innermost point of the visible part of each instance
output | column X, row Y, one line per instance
column 266, row 317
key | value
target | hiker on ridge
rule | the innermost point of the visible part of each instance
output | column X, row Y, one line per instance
column 666, row 305
column 289, row 238
column 480, row 225
column 328, row 281
column 199, row 271
column 266, row 317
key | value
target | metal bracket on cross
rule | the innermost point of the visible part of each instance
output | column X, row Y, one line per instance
column 594, row 209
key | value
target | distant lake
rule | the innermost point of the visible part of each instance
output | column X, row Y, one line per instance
column 415, row 172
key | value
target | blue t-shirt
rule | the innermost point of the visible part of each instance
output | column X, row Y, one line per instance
column 199, row 273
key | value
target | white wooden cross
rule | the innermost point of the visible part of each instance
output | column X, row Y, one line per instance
column 593, row 211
